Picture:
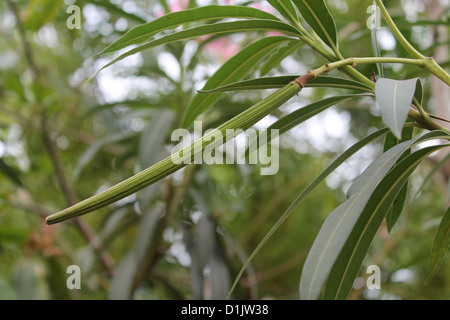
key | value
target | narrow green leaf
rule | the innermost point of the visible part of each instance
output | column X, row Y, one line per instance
column 348, row 264
column 281, row 81
column 131, row 266
column 90, row 152
column 117, row 10
column 232, row 70
column 339, row 224
column 394, row 99
column 440, row 245
column 145, row 31
column 286, row 9
column 151, row 150
column 307, row 112
column 275, row 59
column 335, row 164
column 436, row 168
column 316, row 13
column 217, row 28
column 121, row 283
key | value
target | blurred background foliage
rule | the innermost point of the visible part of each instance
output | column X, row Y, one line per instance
column 63, row 139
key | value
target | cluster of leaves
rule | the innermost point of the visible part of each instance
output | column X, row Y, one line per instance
column 379, row 194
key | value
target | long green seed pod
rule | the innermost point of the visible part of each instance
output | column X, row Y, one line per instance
column 167, row 166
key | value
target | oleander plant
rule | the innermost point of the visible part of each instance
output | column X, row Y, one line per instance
column 92, row 92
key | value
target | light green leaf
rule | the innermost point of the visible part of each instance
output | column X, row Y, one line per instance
column 316, row 13
column 348, row 264
column 281, row 81
column 340, row 223
column 307, row 112
column 136, row 260
column 440, row 245
column 145, row 31
column 375, row 45
column 394, row 99
column 217, row 28
column 232, row 70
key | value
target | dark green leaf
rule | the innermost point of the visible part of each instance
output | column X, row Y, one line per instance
column 232, row 70
column 145, row 31
column 394, row 99
column 316, row 13
column 375, row 45
column 281, row 81
column 10, row 172
column 348, row 264
column 275, row 59
column 303, row 114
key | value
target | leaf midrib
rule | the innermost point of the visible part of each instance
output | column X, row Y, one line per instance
column 377, row 207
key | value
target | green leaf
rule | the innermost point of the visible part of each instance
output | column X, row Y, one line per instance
column 151, row 149
column 394, row 99
column 217, row 28
column 232, row 70
column 6, row 290
column 168, row 166
column 117, row 10
column 145, row 31
column 90, row 152
column 348, row 264
column 286, row 9
column 10, row 233
column 281, row 81
column 131, row 267
column 440, row 245
column 375, row 45
column 316, row 13
column 397, row 207
column 275, row 59
column 340, row 223
column 335, row 164
column 294, row 118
